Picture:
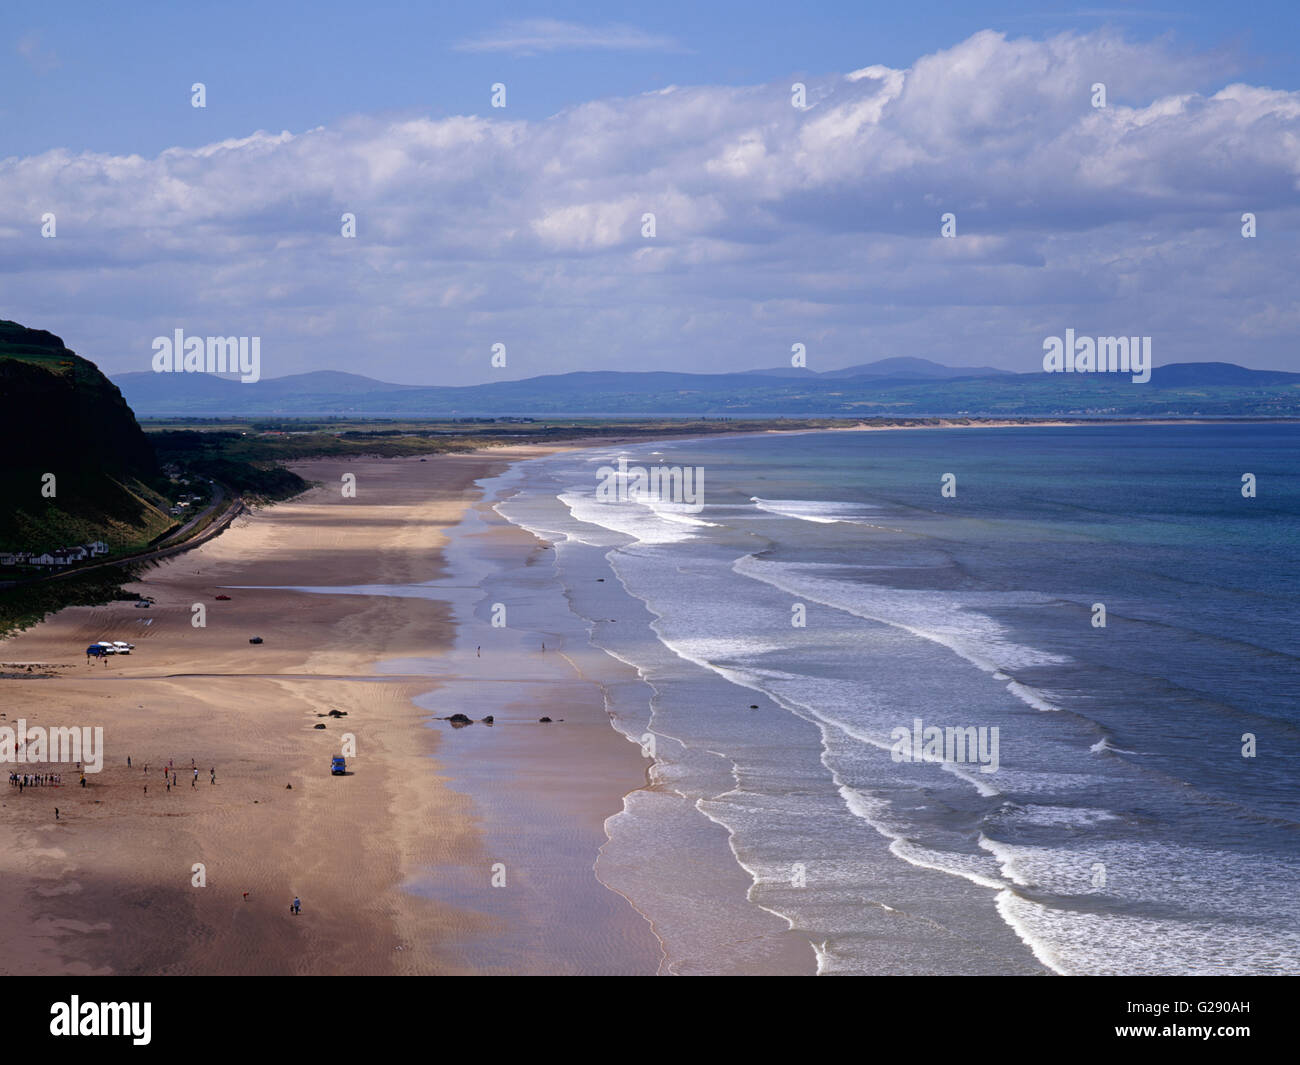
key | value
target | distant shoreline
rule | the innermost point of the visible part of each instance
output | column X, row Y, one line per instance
column 1079, row 423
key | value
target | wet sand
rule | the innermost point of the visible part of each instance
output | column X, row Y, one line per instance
column 112, row 886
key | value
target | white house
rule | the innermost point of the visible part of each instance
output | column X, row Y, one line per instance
column 64, row 556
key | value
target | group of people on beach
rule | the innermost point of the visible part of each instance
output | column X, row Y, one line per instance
column 32, row 780
column 35, row 780
column 169, row 773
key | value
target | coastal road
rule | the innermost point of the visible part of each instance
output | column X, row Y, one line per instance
column 233, row 511
column 218, row 497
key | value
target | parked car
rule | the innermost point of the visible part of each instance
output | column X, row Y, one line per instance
column 143, row 604
column 255, row 639
column 96, row 650
column 122, row 647
column 223, row 597
column 108, row 648
column 338, row 767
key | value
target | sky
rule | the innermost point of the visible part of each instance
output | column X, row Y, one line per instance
column 777, row 220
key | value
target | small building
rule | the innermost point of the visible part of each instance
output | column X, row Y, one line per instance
column 98, row 547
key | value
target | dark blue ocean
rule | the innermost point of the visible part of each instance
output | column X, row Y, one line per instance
column 1142, row 815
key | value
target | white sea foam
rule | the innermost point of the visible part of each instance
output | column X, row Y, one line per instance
column 552, row 528
column 681, row 513
column 1155, row 884
column 948, row 618
column 1033, row 696
column 972, row 867
column 639, row 521
column 823, row 513
column 1162, row 941
column 1104, row 744
column 878, row 814
column 979, row 783
column 1053, row 816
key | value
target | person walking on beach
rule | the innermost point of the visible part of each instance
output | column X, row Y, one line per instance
column 128, row 761
column 196, row 774
column 213, row 771
column 56, row 813
column 296, row 908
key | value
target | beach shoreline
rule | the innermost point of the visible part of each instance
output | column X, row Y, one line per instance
column 396, row 863
column 129, row 880
column 393, row 872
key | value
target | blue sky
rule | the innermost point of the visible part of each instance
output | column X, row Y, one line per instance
column 117, row 78
column 522, row 225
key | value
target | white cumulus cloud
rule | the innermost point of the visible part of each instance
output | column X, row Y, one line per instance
column 772, row 225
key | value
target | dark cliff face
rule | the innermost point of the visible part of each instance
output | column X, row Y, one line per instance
column 58, row 411
column 59, row 415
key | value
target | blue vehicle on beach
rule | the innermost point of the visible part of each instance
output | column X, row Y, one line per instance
column 338, row 767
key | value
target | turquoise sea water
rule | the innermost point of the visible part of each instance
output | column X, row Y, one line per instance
column 1123, row 830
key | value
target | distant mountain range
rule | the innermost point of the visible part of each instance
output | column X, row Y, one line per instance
column 894, row 387
column 901, row 367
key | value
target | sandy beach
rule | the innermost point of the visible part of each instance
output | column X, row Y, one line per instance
column 397, row 863
column 112, row 885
